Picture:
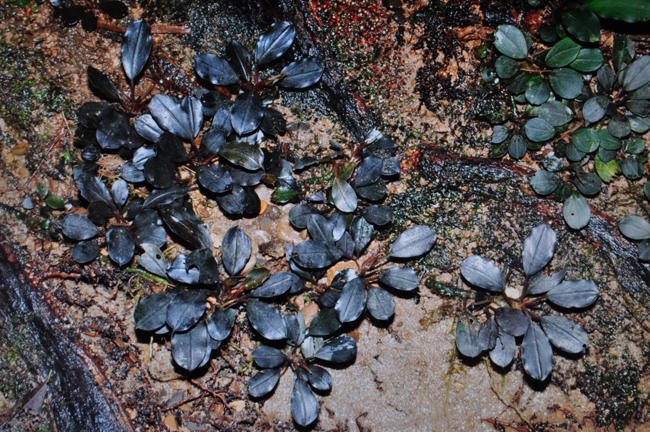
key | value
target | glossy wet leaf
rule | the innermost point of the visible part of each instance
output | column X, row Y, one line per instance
column 240, row 59
column 300, row 214
column 574, row 294
column 186, row 309
column 540, row 283
column 483, row 273
column 635, row 228
column 413, row 242
column 276, row 42
column 268, row 357
column 191, row 349
column 344, row 196
column 102, row 85
column 153, row 259
column 576, row 211
column 325, row 323
column 85, row 251
column 214, row 178
column 378, row 215
column 187, row 226
column 595, row 108
column 506, row 67
column 368, row 172
column 221, row 323
column 165, row 198
column 504, row 350
column 566, row 83
column 266, row 320
column 637, row 74
column 539, row 248
column 246, row 113
column 512, row 321
column 243, row 154
column 120, row 192
column 565, row 334
column 562, row 53
column 273, row 122
column 147, row 128
column 588, row 60
column 538, row 130
column 276, row 285
column 467, row 337
column 304, row 406
column 588, row 184
column 207, row 265
column 79, row 227
column 537, row 91
column 399, row 278
column 509, row 40
column 320, row 229
column 263, row 383
column 517, row 147
column 319, row 378
column 339, row 350
column 381, row 305
column 361, row 232
column 236, row 250
column 582, row 24
column 313, row 255
column 301, row 74
column 375, row 192
column 352, row 302
column 619, row 126
column 544, row 182
column 180, row 271
column 631, row 168
column 171, row 116
column 296, row 330
column 136, row 48
column 216, row 70
column 115, row 131
column 120, row 245
column 537, row 353
column 151, row 312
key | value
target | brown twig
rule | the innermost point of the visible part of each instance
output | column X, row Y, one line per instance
column 183, row 402
column 59, row 275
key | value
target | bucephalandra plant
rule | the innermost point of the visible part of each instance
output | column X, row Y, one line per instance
column 585, row 112
column 508, row 318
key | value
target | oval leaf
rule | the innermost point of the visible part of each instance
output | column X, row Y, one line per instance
column 343, row 196
column 539, row 248
column 263, row 383
column 136, row 48
column 304, row 406
column 236, row 250
column 186, row 309
column 509, row 40
column 266, row 320
column 302, row 74
column 381, row 305
column 574, row 294
column 565, row 334
column 633, row 227
column 483, row 273
column 79, row 227
column 191, row 349
column 120, row 245
column 413, row 242
column 342, row 349
column 536, row 353
column 352, row 302
column 576, row 211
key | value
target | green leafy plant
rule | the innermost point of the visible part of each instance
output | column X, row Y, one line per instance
column 584, row 115
column 625, row 10
column 509, row 317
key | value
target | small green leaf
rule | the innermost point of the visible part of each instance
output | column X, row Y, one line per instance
column 623, row 51
column 544, row 182
column 583, row 25
column 517, row 147
column 595, row 108
column 635, row 228
column 607, row 170
column 500, row 134
column 537, row 91
column 625, row 10
column 566, row 83
column 586, row 140
column 506, row 67
column 562, row 53
column 576, row 211
column 509, row 40
column 538, row 130
column 607, row 141
column 555, row 112
column 42, row 189
column 248, row 156
column 54, row 202
column 588, row 60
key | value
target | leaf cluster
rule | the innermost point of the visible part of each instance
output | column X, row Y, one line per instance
column 589, row 112
column 509, row 320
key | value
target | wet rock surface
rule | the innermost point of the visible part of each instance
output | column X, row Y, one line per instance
column 406, row 68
